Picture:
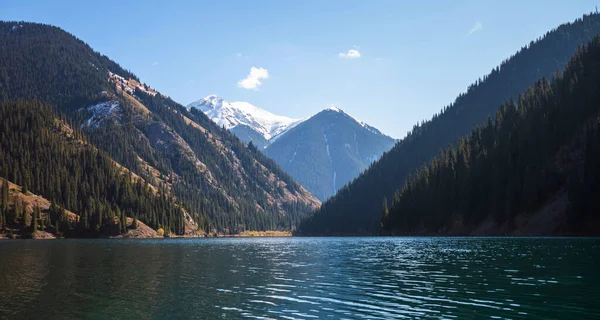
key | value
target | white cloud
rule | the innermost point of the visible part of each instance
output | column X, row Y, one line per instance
column 351, row 54
column 240, row 56
column 155, row 63
column 253, row 80
column 477, row 27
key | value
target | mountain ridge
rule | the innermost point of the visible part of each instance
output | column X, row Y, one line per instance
column 359, row 203
column 351, row 155
column 328, row 150
column 239, row 113
column 533, row 170
column 224, row 185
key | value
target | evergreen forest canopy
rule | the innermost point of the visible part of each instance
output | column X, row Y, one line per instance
column 225, row 186
column 46, row 157
column 356, row 209
column 512, row 165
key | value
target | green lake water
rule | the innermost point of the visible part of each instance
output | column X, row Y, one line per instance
column 301, row 278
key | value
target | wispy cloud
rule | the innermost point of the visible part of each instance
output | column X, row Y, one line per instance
column 253, row 80
column 240, row 56
column 155, row 63
column 477, row 27
column 351, row 54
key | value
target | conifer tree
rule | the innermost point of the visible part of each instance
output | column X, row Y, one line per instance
column 65, row 222
column 35, row 215
column 24, row 216
column 5, row 193
column 384, row 211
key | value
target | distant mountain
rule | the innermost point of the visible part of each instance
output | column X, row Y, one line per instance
column 357, row 209
column 247, row 122
column 196, row 170
column 328, row 150
column 323, row 152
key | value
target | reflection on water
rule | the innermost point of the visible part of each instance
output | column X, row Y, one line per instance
column 301, row 278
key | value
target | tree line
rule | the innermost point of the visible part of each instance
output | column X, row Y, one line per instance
column 356, row 208
column 508, row 166
column 39, row 153
column 44, row 63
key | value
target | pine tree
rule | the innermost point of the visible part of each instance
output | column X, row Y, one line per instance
column 35, row 215
column 65, row 222
column 24, row 216
column 384, row 211
column 5, row 194
column 4, row 214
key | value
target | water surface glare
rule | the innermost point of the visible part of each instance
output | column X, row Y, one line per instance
column 301, row 278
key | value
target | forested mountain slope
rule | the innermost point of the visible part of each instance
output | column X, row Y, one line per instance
column 224, row 185
column 543, row 146
column 356, row 209
column 47, row 157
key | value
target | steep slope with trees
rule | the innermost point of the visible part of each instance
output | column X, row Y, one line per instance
column 45, row 156
column 511, row 166
column 226, row 186
column 356, row 209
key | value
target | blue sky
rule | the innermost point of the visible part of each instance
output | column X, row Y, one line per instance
column 389, row 63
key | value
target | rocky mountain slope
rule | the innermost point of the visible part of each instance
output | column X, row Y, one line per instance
column 323, row 152
column 225, row 186
column 328, row 150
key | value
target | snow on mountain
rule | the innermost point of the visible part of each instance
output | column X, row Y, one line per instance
column 323, row 152
column 102, row 111
column 363, row 124
column 233, row 114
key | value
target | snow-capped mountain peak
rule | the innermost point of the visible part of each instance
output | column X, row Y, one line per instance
column 209, row 102
column 328, row 150
column 322, row 152
column 233, row 114
column 361, row 123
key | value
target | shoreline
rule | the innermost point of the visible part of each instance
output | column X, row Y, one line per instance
column 43, row 235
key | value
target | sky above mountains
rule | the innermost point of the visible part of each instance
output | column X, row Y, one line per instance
column 389, row 63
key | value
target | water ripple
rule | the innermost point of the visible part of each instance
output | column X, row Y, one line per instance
column 302, row 278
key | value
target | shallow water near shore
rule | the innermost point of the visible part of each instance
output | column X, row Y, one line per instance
column 301, row 278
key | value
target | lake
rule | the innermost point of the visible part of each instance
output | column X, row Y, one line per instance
column 301, row 278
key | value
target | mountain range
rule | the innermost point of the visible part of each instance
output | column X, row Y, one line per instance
column 199, row 173
column 247, row 122
column 87, row 149
column 322, row 152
